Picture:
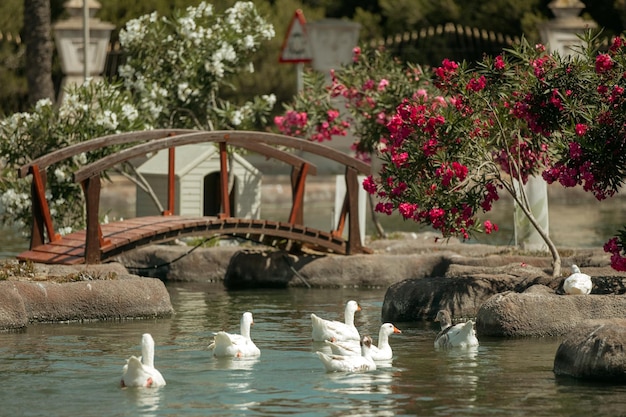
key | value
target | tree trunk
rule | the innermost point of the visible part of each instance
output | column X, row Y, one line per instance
column 37, row 36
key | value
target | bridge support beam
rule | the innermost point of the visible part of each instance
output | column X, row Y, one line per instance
column 41, row 212
column 298, row 180
column 91, row 189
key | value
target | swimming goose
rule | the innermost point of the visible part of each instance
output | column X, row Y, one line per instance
column 337, row 331
column 459, row 335
column 577, row 283
column 236, row 345
column 340, row 363
column 382, row 352
column 140, row 372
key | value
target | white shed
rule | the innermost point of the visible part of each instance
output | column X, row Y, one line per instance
column 197, row 183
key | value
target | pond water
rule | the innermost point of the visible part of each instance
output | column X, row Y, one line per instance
column 74, row 369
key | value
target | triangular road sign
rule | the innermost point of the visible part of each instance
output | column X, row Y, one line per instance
column 296, row 46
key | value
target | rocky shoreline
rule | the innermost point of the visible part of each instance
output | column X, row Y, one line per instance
column 509, row 293
column 53, row 294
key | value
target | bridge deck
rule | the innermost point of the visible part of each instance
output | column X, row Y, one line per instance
column 141, row 231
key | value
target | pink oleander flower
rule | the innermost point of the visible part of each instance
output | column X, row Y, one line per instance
column 498, row 63
column 369, row 185
column 407, row 210
column 399, row 160
column 356, row 54
column 604, row 63
column 575, row 150
column 490, row 227
column 616, row 44
column 477, row 84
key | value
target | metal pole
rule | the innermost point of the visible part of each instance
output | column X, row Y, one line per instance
column 86, row 40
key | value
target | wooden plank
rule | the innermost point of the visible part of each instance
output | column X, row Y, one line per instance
column 147, row 230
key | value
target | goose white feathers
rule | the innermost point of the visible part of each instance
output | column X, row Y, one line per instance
column 236, row 345
column 337, row 331
column 382, row 352
column 340, row 363
column 140, row 371
column 577, row 283
column 460, row 335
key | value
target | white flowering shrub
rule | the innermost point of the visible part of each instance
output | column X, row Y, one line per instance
column 177, row 66
column 88, row 111
column 174, row 71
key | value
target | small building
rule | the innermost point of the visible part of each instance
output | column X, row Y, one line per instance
column 197, row 183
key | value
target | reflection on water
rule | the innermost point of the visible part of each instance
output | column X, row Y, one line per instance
column 75, row 369
column 145, row 400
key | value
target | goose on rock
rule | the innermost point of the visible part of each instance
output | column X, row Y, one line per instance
column 459, row 335
column 341, row 363
column 578, row 283
column 382, row 352
column 236, row 345
column 337, row 331
column 140, row 371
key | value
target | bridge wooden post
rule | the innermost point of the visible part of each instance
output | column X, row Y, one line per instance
column 298, row 180
column 91, row 189
column 224, row 181
column 37, row 237
column 41, row 211
column 352, row 194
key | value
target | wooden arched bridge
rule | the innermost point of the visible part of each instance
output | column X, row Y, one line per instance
column 99, row 242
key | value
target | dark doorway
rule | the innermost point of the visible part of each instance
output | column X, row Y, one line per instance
column 212, row 200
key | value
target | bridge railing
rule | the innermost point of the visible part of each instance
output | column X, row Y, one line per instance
column 266, row 144
column 42, row 221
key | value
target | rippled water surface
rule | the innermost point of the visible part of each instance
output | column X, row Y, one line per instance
column 74, row 369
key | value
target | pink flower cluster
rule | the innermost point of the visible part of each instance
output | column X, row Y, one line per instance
column 297, row 124
column 613, row 246
column 520, row 160
column 292, row 124
column 445, row 75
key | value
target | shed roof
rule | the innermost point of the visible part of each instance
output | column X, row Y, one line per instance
column 187, row 158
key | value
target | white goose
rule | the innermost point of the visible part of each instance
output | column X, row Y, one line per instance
column 236, row 345
column 382, row 352
column 140, row 372
column 577, row 283
column 340, row 363
column 337, row 331
column 459, row 335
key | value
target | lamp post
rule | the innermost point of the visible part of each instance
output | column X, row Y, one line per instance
column 80, row 63
column 559, row 35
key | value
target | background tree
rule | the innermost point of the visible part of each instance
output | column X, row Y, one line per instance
column 39, row 49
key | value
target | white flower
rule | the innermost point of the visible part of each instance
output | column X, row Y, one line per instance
column 60, row 175
column 270, row 99
column 130, row 112
column 64, row 231
column 184, row 91
column 248, row 42
column 44, row 102
column 108, row 120
column 236, row 118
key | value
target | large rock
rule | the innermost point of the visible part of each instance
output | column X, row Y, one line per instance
column 539, row 311
column 12, row 310
column 595, row 350
column 276, row 269
column 179, row 263
column 27, row 301
column 461, row 290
